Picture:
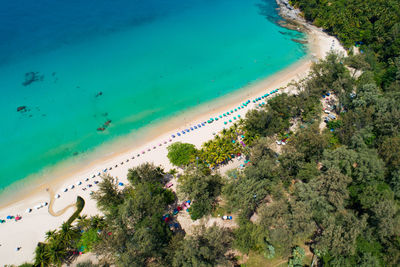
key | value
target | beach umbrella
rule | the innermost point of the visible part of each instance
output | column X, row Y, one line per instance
column 28, row 210
column 165, row 142
column 238, row 107
column 65, row 189
column 216, row 118
column 234, row 118
column 195, row 127
column 173, row 136
column 178, row 134
column 121, row 184
column 224, row 114
column 199, row 125
column 225, row 123
column 231, row 111
column 72, row 186
column 239, row 116
column 78, row 183
column 230, row 120
column 191, row 128
column 58, row 196
column 235, row 109
column 170, row 140
column 202, row 124
column 154, row 147
column 183, row 132
column 159, row 144
column 227, row 113
column 187, row 130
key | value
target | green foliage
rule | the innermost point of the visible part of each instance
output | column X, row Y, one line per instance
column 108, row 195
column 310, row 143
column 181, row 154
column 375, row 23
column 222, row 148
column 146, row 173
column 296, row 260
column 334, row 124
column 89, row 239
column 206, row 247
column 202, row 189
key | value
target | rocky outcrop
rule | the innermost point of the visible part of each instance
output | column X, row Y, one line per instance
column 289, row 12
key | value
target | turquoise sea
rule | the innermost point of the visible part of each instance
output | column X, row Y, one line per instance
column 71, row 66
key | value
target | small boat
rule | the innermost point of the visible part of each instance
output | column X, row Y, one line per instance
column 101, row 129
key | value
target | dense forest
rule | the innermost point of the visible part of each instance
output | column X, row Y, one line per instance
column 329, row 197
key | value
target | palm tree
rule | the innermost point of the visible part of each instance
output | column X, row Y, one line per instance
column 51, row 235
column 41, row 255
column 56, row 253
column 83, row 222
column 67, row 234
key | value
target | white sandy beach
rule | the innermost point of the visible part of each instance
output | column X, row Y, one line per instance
column 27, row 232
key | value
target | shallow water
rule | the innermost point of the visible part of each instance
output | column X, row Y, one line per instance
column 150, row 59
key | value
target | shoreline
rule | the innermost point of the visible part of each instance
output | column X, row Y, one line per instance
column 44, row 179
column 37, row 183
column 31, row 229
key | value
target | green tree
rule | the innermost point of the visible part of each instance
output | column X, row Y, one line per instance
column 181, row 154
column 42, row 257
column 146, row 173
column 206, row 247
column 108, row 196
column 202, row 190
column 296, row 260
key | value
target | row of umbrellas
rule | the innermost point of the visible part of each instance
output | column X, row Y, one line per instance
column 192, row 128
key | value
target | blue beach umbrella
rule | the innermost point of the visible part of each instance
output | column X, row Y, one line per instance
column 173, row 136
column 199, row 125
column 191, row 128
column 195, row 127
column 178, row 134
